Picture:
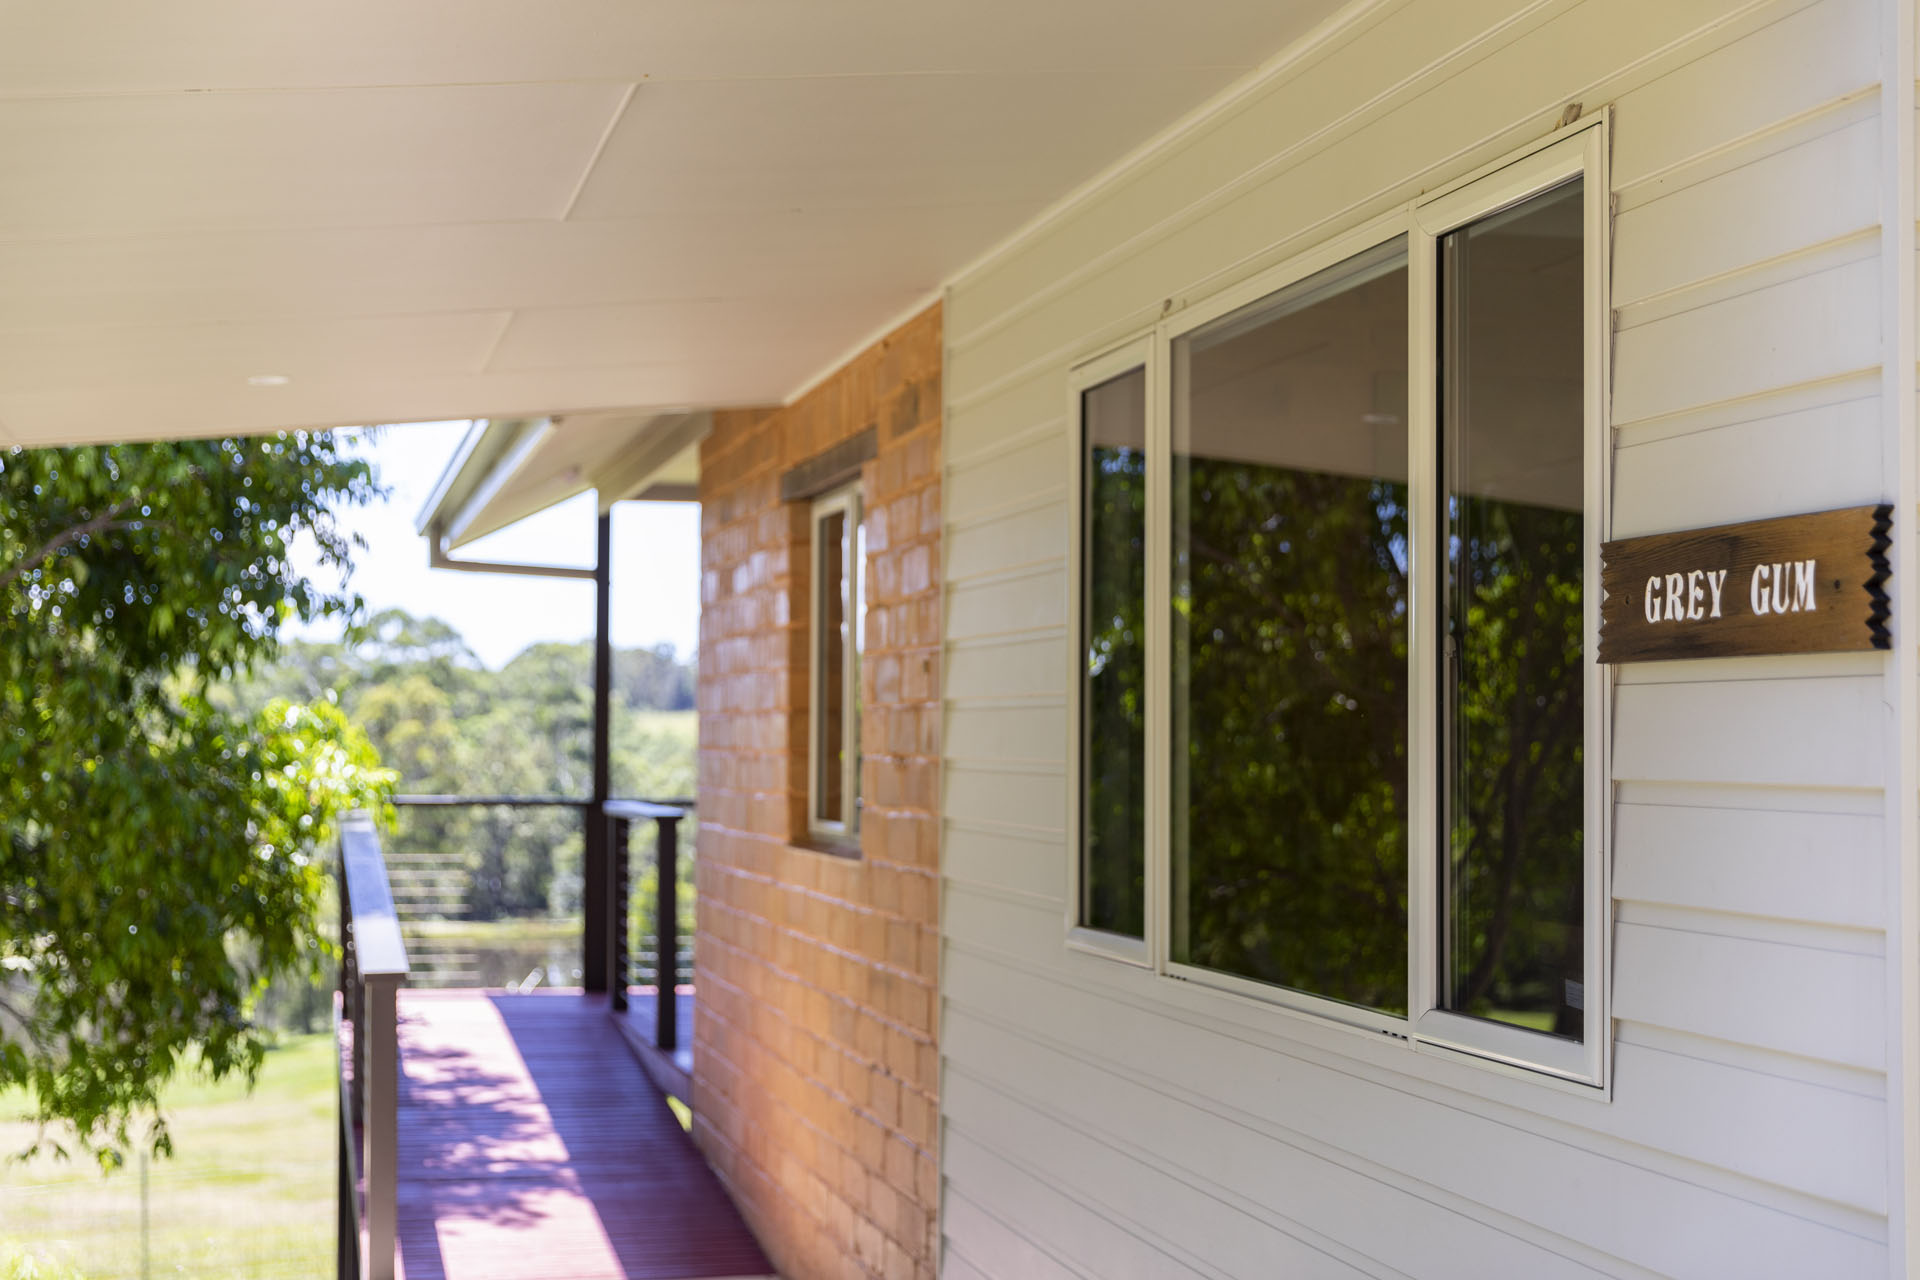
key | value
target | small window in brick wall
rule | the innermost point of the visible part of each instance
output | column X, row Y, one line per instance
column 839, row 608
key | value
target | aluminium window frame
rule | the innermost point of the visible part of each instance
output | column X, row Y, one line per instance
column 1579, row 150
column 844, row 501
column 1584, row 156
column 1247, row 295
column 1135, row 353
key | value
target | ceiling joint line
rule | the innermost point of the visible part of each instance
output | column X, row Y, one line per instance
column 499, row 336
column 599, row 149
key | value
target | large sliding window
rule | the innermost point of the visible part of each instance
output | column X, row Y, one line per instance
column 1289, row 637
column 1338, row 718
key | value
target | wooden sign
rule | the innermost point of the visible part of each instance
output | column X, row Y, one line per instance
column 1800, row 584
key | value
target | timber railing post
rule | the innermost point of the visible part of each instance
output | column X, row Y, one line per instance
column 373, row 967
column 379, row 1158
column 347, row 1266
column 666, row 932
column 666, row 907
column 619, row 876
column 346, row 1017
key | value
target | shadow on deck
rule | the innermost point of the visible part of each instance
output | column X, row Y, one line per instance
column 532, row 1145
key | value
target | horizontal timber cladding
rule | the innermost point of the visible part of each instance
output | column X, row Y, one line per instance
column 1797, row 584
column 1102, row 1120
column 815, row 1070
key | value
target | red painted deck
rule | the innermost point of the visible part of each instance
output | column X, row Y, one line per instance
column 533, row 1146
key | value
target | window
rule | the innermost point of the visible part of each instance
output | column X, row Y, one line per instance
column 839, row 618
column 1513, row 522
column 1340, row 561
column 1110, row 541
column 1289, row 637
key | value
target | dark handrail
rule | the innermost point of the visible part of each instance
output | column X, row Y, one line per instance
column 524, row 802
column 504, row 802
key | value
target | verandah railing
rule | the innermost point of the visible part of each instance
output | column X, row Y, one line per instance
column 491, row 892
column 373, row 968
column 491, row 889
column 661, row 955
column 392, row 902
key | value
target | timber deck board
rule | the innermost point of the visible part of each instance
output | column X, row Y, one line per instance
column 533, row 1147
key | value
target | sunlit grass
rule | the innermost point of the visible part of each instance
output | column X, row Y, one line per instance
column 249, row 1191
column 684, row 725
column 511, row 931
column 17, row 1264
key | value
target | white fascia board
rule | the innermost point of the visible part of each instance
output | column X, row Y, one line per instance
column 471, row 463
column 450, row 474
column 628, row 473
column 516, row 450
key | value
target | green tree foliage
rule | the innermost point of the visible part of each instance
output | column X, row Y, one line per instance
column 449, row 726
column 155, row 849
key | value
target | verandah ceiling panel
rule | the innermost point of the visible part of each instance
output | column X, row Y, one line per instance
column 93, row 46
column 465, row 208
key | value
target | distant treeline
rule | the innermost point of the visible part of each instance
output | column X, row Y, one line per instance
column 450, row 726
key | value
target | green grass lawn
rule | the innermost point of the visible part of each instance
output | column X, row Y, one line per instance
column 248, row 1193
column 514, row 931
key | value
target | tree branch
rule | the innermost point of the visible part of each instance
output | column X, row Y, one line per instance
column 105, row 520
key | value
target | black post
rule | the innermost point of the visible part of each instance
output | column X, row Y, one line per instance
column 593, row 892
column 666, row 1031
column 618, row 896
column 353, row 1002
column 347, row 1209
column 347, row 1252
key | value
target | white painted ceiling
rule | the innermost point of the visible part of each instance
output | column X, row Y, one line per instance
column 425, row 209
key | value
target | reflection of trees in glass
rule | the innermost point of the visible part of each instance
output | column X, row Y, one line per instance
column 1293, row 644
column 1114, row 887
column 1516, row 777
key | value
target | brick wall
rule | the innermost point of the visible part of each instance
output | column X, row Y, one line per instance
column 814, row 1056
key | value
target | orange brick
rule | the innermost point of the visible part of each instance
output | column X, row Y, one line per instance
column 814, row 1053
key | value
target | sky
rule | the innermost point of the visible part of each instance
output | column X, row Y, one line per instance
column 656, row 560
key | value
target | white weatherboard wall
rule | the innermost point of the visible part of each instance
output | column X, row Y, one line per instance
column 1100, row 1122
